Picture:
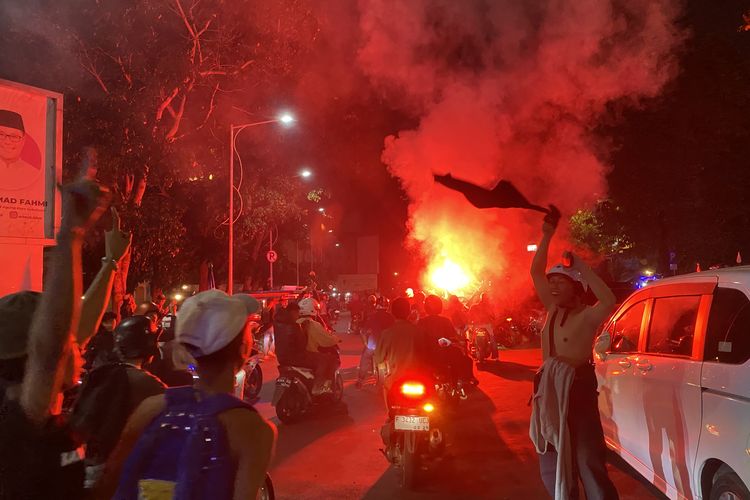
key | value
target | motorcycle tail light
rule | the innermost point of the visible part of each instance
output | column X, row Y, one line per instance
column 429, row 408
column 412, row 389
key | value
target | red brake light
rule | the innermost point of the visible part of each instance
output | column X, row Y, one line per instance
column 412, row 389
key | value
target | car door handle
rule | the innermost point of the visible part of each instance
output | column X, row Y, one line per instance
column 644, row 365
column 625, row 363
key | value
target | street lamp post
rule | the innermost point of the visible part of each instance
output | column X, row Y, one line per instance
column 234, row 131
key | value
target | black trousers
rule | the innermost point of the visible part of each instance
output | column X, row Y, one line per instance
column 587, row 441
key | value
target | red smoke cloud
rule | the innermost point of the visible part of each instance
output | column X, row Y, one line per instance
column 508, row 89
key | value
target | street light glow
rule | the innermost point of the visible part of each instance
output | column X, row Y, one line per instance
column 321, row 210
column 306, row 173
column 286, row 119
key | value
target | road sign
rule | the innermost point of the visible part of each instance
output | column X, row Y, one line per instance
column 272, row 256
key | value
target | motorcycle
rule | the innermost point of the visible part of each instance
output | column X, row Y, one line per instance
column 479, row 344
column 355, row 326
column 293, row 397
column 249, row 380
column 412, row 436
column 509, row 334
column 449, row 391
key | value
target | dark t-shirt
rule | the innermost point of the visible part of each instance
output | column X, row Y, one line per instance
column 37, row 462
column 435, row 328
column 375, row 324
column 108, row 398
column 291, row 341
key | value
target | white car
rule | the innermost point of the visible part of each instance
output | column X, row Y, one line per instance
column 674, row 384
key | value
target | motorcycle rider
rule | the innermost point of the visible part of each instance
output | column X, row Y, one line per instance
column 401, row 347
column 458, row 314
column 417, row 307
column 371, row 332
column 113, row 391
column 482, row 316
column 321, row 344
column 162, row 365
column 567, row 341
column 450, row 358
column 100, row 349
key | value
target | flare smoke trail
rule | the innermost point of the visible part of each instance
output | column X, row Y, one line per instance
column 508, row 89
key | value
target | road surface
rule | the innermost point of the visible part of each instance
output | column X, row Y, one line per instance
column 489, row 454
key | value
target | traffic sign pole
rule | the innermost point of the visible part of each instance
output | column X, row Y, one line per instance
column 270, row 260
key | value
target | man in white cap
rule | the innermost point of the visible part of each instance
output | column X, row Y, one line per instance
column 213, row 331
column 565, row 387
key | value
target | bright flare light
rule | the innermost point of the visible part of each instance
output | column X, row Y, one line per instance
column 450, row 277
column 286, row 119
column 306, row 173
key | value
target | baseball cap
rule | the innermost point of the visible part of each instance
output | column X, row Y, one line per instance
column 210, row 320
column 16, row 313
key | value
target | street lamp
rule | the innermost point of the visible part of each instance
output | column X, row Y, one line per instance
column 234, row 130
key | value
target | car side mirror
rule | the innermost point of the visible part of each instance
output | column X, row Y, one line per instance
column 602, row 345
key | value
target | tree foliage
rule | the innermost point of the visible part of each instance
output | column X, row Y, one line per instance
column 153, row 86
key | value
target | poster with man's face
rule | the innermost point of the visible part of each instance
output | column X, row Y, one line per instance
column 23, row 132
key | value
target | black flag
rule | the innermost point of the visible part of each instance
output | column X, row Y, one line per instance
column 504, row 194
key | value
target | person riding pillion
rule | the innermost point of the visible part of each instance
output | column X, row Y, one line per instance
column 565, row 425
column 322, row 343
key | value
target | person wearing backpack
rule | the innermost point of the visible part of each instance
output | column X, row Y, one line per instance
column 112, row 392
column 197, row 442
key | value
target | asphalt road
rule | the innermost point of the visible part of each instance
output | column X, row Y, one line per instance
column 488, row 455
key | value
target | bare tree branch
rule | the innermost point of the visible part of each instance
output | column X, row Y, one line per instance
column 211, row 106
column 171, row 135
column 166, row 103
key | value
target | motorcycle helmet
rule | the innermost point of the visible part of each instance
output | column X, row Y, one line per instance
column 308, row 307
column 134, row 338
column 572, row 274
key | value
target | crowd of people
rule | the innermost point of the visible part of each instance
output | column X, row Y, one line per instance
column 154, row 415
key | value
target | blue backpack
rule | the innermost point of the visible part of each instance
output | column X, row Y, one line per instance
column 184, row 453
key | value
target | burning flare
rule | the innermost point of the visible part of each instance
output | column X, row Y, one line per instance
column 449, row 276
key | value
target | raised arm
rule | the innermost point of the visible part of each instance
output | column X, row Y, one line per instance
column 95, row 300
column 606, row 299
column 539, row 263
column 51, row 335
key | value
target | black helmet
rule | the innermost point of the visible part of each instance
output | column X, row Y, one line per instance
column 134, row 338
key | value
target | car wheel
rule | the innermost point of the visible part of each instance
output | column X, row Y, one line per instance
column 728, row 486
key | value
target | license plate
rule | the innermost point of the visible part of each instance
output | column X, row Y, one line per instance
column 284, row 382
column 411, row 423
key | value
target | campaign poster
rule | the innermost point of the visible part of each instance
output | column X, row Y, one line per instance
column 28, row 132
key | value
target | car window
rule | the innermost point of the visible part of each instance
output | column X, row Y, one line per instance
column 673, row 325
column 627, row 329
column 728, row 333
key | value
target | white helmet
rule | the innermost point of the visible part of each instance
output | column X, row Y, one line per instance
column 569, row 273
column 308, row 307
